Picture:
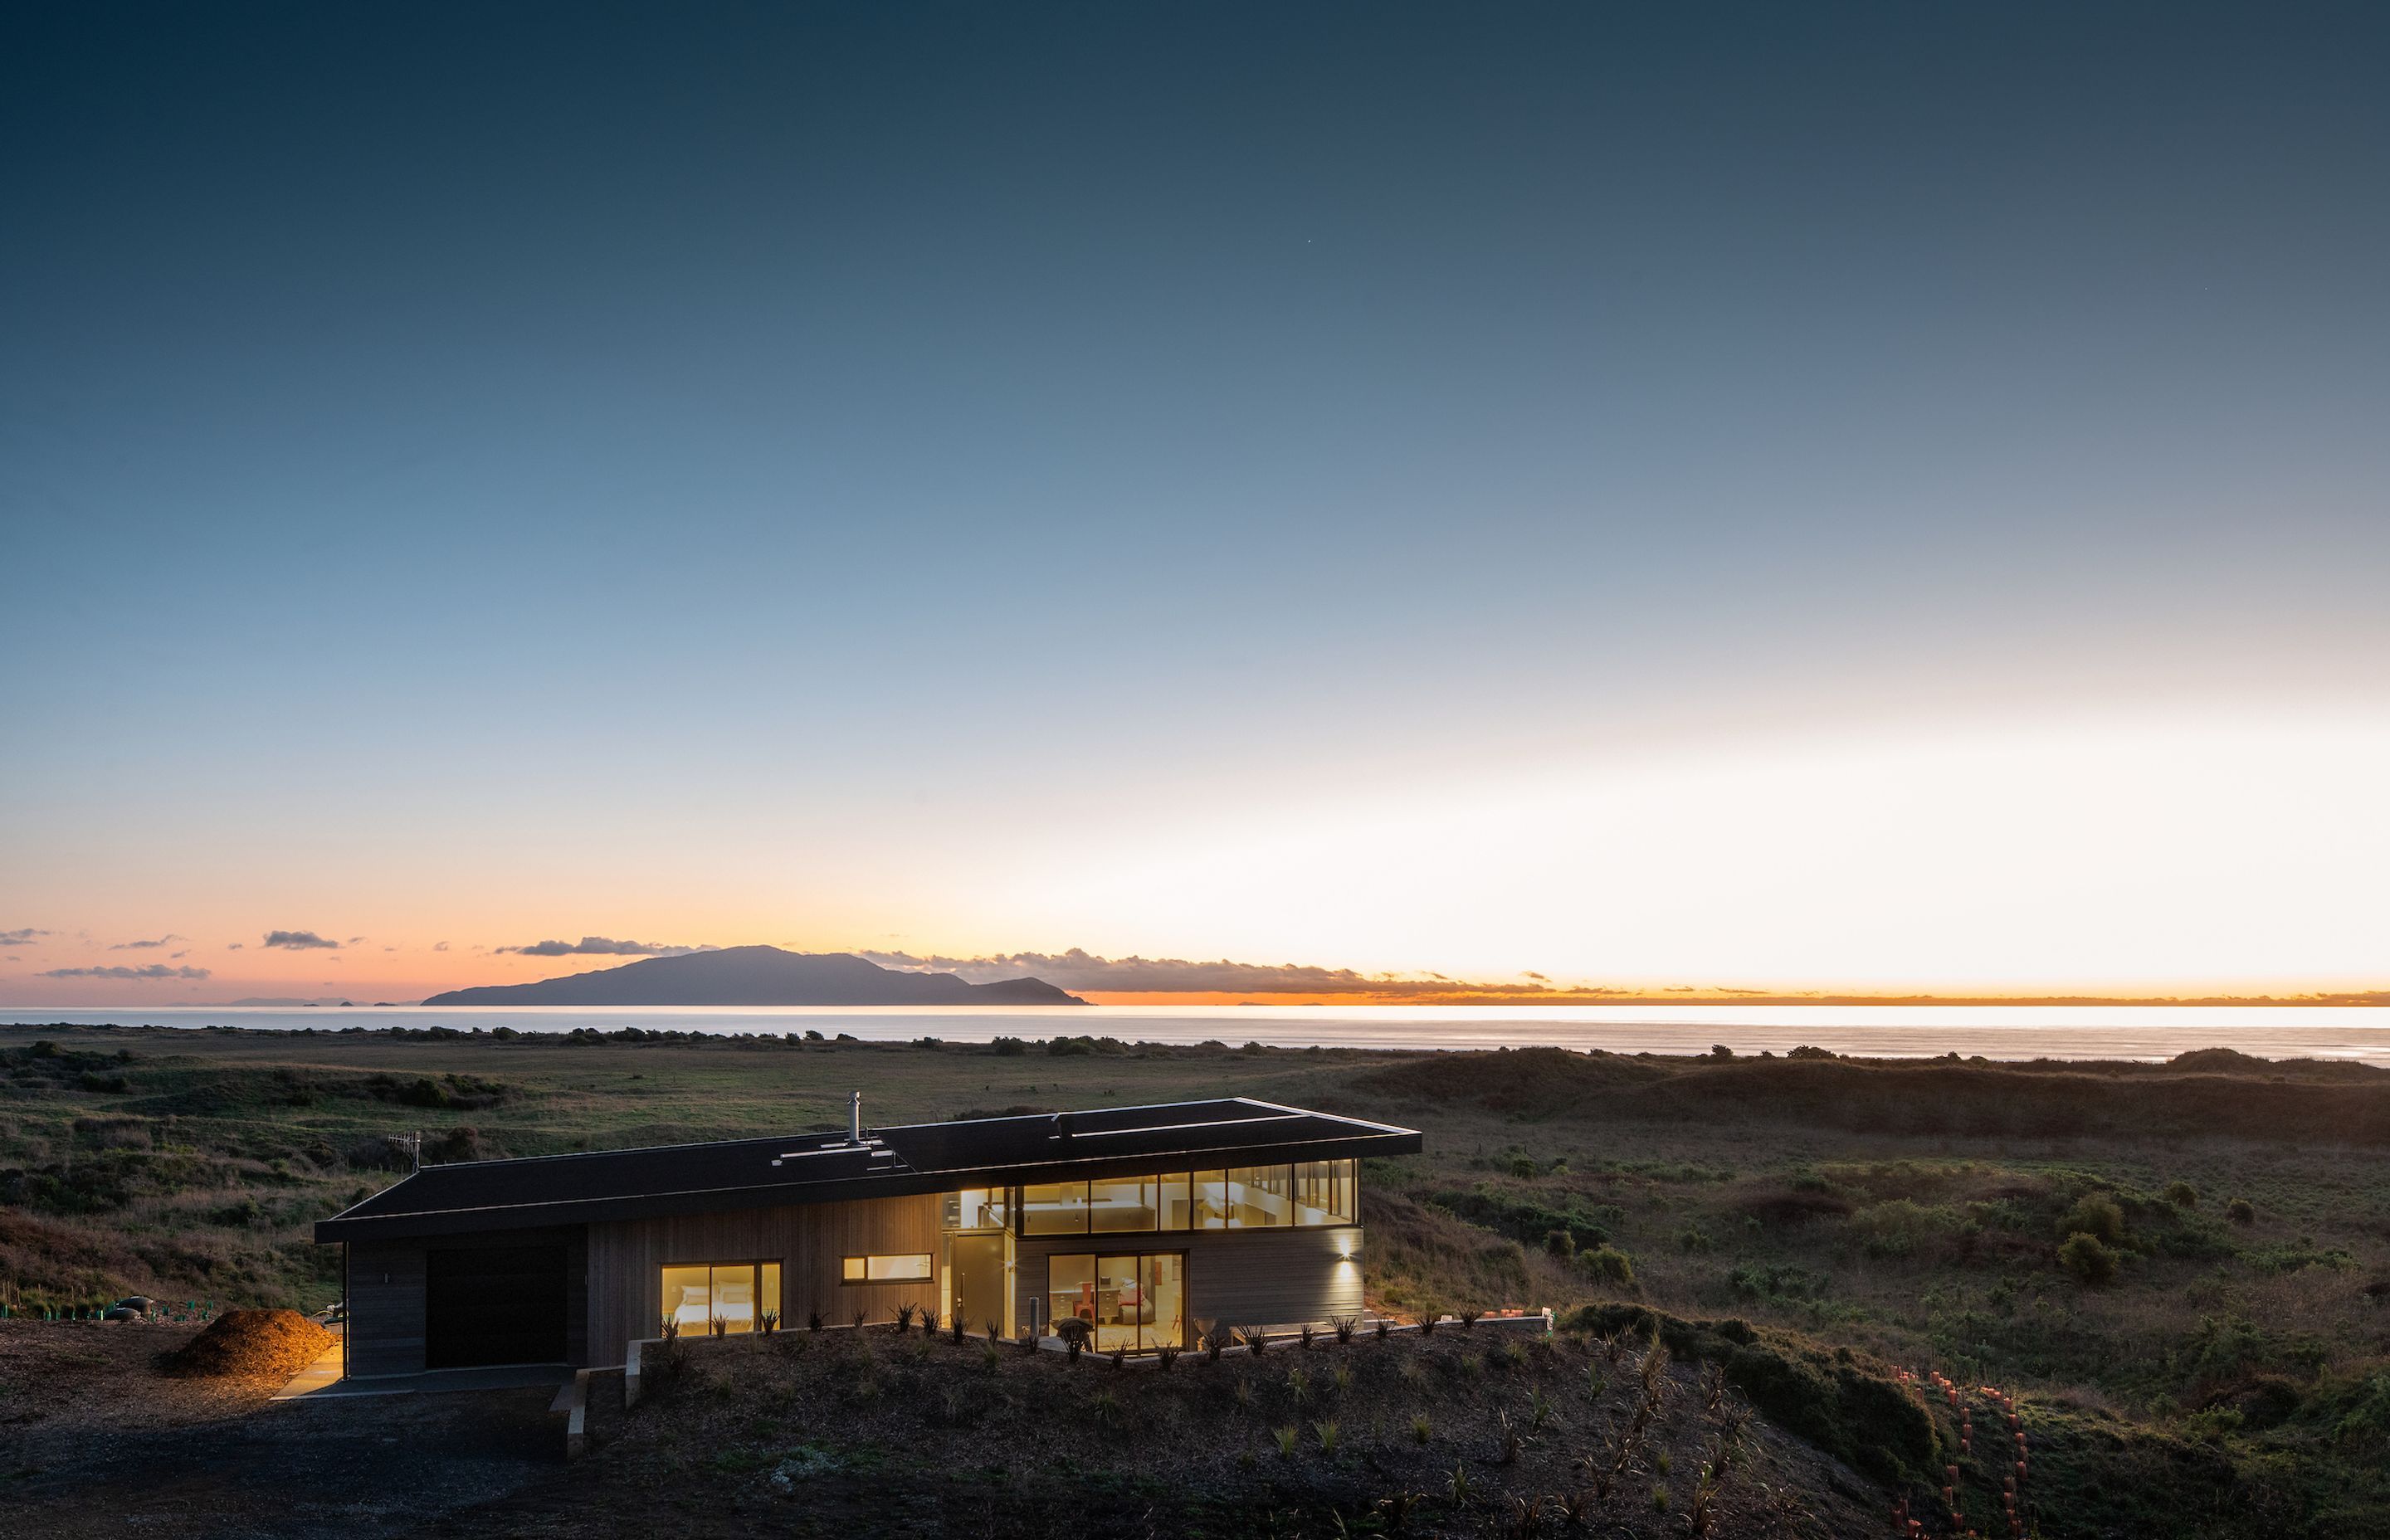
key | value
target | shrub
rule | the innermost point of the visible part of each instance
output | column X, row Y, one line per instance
column 1010, row 1048
column 1607, row 1264
column 2182, row 1195
column 1904, row 1227
column 1692, row 1237
column 2095, row 1215
column 2089, row 1258
column 1559, row 1243
column 2240, row 1212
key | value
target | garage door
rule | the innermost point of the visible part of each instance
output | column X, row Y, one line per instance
column 499, row 1305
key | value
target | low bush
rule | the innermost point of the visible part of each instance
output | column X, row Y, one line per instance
column 2095, row 1215
column 1904, row 1227
column 2089, row 1258
column 1607, row 1264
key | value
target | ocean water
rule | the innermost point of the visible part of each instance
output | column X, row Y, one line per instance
column 2146, row 1033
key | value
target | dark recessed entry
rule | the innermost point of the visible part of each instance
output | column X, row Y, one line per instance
column 501, row 1304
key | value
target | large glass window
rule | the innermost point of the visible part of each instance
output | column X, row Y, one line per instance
column 1054, row 1208
column 1260, row 1197
column 909, row 1268
column 1323, row 1193
column 736, row 1293
column 1237, row 1197
column 1070, row 1288
column 1176, row 1200
column 1211, row 1200
column 1133, row 1301
column 1127, row 1203
column 979, row 1209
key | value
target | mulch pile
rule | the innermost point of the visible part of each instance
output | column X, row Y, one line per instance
column 251, row 1344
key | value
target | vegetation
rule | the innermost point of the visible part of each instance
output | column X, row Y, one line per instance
column 2184, row 1362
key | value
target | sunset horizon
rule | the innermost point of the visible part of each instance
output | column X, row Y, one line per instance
column 774, row 768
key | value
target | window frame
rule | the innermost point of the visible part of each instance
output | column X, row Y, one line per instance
column 1345, row 1177
column 929, row 1276
column 1138, row 1256
column 756, row 1266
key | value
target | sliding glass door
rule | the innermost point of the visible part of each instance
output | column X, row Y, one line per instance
column 1132, row 1301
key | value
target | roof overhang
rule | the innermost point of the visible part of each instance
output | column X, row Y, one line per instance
column 1085, row 1153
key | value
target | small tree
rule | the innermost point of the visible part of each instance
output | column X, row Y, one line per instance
column 2089, row 1258
column 2095, row 1215
column 1607, row 1264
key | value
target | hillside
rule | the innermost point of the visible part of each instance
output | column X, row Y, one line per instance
column 2180, row 1271
column 759, row 976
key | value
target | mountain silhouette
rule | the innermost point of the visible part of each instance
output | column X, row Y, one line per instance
column 759, row 976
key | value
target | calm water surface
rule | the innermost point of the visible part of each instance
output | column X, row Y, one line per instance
column 1995, row 1032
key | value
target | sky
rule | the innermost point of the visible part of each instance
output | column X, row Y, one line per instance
column 1806, row 497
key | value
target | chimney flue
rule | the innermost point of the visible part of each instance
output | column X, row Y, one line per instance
column 854, row 1117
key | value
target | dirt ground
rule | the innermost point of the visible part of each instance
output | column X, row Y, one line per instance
column 94, row 1440
column 860, row 1438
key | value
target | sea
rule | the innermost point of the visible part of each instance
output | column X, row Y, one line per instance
column 2143, row 1032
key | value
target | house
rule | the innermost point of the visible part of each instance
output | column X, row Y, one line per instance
column 1140, row 1221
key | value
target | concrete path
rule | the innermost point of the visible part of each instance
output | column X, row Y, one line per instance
column 508, row 1378
column 320, row 1376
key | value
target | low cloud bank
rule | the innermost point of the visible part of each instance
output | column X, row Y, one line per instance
column 154, row 971
column 1080, row 969
column 297, row 940
column 600, row 947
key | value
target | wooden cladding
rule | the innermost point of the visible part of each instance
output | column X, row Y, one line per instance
column 810, row 1241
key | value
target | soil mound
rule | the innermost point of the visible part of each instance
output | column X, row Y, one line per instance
column 251, row 1344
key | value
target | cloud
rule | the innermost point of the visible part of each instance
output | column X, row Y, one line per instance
column 440, row 946
column 601, row 946
column 297, row 940
column 154, row 971
column 19, row 938
column 1079, row 970
column 234, row 947
column 177, row 956
column 144, row 946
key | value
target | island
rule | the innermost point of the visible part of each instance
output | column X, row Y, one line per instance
column 759, row 976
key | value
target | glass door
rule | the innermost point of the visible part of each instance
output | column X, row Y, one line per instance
column 981, row 1288
column 1137, row 1301
column 1162, row 1280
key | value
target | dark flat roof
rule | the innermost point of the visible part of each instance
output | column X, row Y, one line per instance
column 816, row 1167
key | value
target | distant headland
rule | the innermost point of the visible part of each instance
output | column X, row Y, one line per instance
column 759, row 976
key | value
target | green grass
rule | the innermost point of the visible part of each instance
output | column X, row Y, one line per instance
column 1849, row 1217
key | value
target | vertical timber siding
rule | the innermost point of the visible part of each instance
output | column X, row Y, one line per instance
column 1235, row 1278
column 627, row 1259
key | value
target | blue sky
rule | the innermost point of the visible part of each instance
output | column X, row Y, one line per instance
column 845, row 476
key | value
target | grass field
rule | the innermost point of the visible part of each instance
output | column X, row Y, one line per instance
column 2213, row 1360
